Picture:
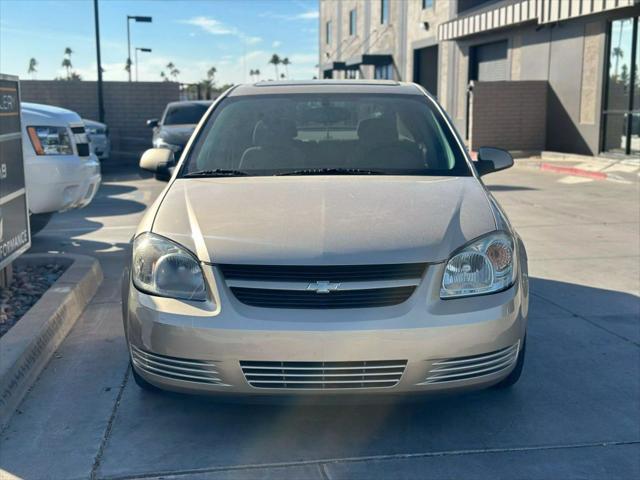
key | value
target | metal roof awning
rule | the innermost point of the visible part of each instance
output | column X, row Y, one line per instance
column 516, row 12
column 338, row 66
column 370, row 59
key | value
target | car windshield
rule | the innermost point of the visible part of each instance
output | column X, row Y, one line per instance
column 184, row 114
column 307, row 134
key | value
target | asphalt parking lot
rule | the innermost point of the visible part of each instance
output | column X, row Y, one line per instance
column 574, row 414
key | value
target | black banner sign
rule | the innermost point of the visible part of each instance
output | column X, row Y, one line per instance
column 14, row 217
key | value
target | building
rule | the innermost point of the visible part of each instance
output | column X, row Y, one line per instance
column 527, row 75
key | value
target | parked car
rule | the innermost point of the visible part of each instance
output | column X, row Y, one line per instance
column 61, row 173
column 178, row 122
column 326, row 238
column 98, row 134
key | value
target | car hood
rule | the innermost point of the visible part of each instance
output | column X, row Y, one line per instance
column 327, row 220
column 176, row 134
column 47, row 115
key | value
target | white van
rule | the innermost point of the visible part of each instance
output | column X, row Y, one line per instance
column 61, row 173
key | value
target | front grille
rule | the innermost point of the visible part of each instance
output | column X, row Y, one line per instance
column 332, row 273
column 374, row 297
column 77, row 129
column 323, row 375
column 465, row 368
column 83, row 149
column 198, row 371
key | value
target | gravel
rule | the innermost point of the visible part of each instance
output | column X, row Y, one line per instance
column 30, row 282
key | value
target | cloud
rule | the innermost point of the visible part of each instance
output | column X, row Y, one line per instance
column 276, row 44
column 308, row 15
column 210, row 25
column 216, row 27
column 251, row 40
column 304, row 58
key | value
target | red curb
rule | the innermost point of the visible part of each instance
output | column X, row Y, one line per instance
column 578, row 172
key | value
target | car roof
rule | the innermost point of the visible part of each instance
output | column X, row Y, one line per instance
column 326, row 86
column 189, row 102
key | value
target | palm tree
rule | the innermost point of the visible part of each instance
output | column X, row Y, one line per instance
column 163, row 76
column 211, row 73
column 275, row 61
column 251, row 74
column 257, row 72
column 33, row 63
column 173, row 71
column 66, row 61
column 282, row 76
column 286, row 63
column 127, row 65
column 617, row 54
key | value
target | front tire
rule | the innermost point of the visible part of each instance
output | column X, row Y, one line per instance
column 513, row 377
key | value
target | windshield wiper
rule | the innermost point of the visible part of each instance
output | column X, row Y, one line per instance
column 332, row 171
column 217, row 172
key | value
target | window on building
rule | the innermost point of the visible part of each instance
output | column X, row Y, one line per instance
column 383, row 72
column 327, row 32
column 384, row 11
column 427, row 4
column 353, row 74
column 352, row 22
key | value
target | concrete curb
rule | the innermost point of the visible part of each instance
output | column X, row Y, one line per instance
column 28, row 346
column 577, row 172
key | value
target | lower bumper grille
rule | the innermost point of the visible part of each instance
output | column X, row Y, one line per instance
column 323, row 375
column 465, row 368
column 376, row 297
column 198, row 371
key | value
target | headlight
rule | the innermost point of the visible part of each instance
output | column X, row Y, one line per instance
column 160, row 143
column 50, row 140
column 161, row 267
column 485, row 265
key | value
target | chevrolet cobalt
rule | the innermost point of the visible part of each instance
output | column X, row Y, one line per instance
column 325, row 238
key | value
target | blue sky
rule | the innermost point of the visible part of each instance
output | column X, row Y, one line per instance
column 193, row 34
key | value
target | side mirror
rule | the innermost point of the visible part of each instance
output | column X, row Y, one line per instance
column 492, row 160
column 152, row 123
column 159, row 161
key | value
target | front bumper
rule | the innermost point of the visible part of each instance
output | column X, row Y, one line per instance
column 60, row 183
column 209, row 343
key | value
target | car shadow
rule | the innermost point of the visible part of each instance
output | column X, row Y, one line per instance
column 580, row 384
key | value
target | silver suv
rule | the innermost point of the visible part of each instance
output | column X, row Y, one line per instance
column 325, row 238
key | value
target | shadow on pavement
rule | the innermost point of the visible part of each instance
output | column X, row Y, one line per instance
column 508, row 188
column 580, row 385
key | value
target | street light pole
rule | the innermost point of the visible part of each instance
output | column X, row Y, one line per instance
column 100, row 95
column 135, row 18
column 148, row 50
column 128, row 48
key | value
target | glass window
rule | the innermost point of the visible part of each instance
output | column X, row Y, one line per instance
column 352, row 22
column 187, row 114
column 384, row 11
column 618, row 90
column 383, row 72
column 277, row 134
column 427, row 4
column 327, row 32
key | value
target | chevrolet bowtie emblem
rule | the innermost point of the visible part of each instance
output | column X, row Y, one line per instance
column 323, row 287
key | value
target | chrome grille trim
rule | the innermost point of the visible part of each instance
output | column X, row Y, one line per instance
column 476, row 366
column 198, row 371
column 323, row 375
column 322, row 286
